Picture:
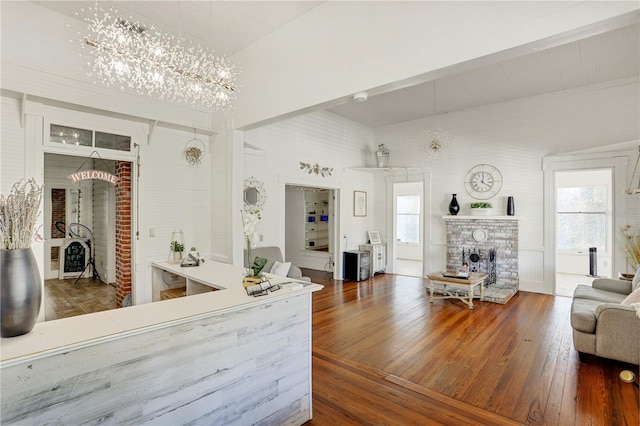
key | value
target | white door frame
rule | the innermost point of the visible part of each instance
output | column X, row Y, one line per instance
column 394, row 237
column 618, row 162
column 335, row 205
column 423, row 176
column 36, row 137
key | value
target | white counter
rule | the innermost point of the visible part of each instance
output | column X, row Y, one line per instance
column 194, row 342
column 82, row 330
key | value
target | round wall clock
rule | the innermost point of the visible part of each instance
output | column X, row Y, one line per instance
column 483, row 181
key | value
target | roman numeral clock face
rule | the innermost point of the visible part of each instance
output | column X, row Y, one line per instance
column 483, row 181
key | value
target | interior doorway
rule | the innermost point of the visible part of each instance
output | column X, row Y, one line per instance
column 81, row 223
column 584, row 227
column 408, row 225
column 310, row 224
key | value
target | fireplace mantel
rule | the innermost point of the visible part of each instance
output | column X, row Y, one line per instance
column 479, row 217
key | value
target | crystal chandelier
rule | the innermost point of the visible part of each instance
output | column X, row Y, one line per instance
column 436, row 140
column 155, row 64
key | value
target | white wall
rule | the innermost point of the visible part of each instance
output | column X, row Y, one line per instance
column 294, row 224
column 178, row 195
column 172, row 193
column 323, row 138
column 485, row 135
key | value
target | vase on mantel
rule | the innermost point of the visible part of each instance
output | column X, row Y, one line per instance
column 454, row 207
column 511, row 207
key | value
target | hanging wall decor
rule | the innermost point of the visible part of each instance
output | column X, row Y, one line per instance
column 316, row 168
column 194, row 150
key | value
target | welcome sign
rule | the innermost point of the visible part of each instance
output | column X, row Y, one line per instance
column 93, row 174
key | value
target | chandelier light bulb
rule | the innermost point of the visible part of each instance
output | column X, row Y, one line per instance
column 151, row 63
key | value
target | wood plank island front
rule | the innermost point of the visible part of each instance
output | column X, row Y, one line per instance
column 218, row 357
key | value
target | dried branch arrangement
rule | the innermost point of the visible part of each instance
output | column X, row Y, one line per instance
column 631, row 245
column 18, row 214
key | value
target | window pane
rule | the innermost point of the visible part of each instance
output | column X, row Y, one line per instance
column 408, row 204
column 582, row 199
column 408, row 228
column 110, row 141
column 581, row 231
column 70, row 135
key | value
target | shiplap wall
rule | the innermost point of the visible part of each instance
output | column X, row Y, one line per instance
column 328, row 140
column 173, row 193
column 178, row 194
column 12, row 146
column 483, row 136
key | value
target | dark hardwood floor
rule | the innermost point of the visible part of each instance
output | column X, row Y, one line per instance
column 382, row 354
column 65, row 298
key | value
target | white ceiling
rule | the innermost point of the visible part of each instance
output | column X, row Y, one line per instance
column 598, row 59
column 229, row 26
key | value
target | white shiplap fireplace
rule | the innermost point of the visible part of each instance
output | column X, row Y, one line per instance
column 497, row 233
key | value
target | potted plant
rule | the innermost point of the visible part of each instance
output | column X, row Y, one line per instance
column 481, row 209
column 177, row 248
column 20, row 282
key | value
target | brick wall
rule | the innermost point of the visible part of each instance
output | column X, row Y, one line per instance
column 123, row 231
column 502, row 236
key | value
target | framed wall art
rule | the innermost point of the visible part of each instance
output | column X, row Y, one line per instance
column 374, row 237
column 359, row 203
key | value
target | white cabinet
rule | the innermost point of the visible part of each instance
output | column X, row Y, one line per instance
column 378, row 257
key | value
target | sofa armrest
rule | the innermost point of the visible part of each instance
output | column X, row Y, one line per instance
column 294, row 272
column 618, row 332
column 616, row 286
column 615, row 308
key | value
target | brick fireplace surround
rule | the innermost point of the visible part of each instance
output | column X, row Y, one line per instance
column 502, row 236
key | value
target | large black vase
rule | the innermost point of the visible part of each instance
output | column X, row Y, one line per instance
column 511, row 207
column 454, row 207
column 20, row 292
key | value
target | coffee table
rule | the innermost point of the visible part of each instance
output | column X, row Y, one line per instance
column 472, row 281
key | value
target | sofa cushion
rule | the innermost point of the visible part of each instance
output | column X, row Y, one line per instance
column 583, row 315
column 281, row 268
column 602, row 296
column 633, row 297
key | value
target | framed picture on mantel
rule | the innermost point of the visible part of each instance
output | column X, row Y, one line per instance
column 359, row 203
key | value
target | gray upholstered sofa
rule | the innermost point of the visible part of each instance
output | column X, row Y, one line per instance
column 603, row 326
column 273, row 254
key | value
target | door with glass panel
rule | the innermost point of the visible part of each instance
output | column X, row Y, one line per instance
column 408, row 220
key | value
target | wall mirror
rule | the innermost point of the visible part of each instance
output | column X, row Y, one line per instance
column 254, row 193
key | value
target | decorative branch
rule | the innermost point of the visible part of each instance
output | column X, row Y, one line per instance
column 18, row 214
column 631, row 245
column 316, row 168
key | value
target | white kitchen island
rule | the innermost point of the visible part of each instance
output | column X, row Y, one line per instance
column 219, row 357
